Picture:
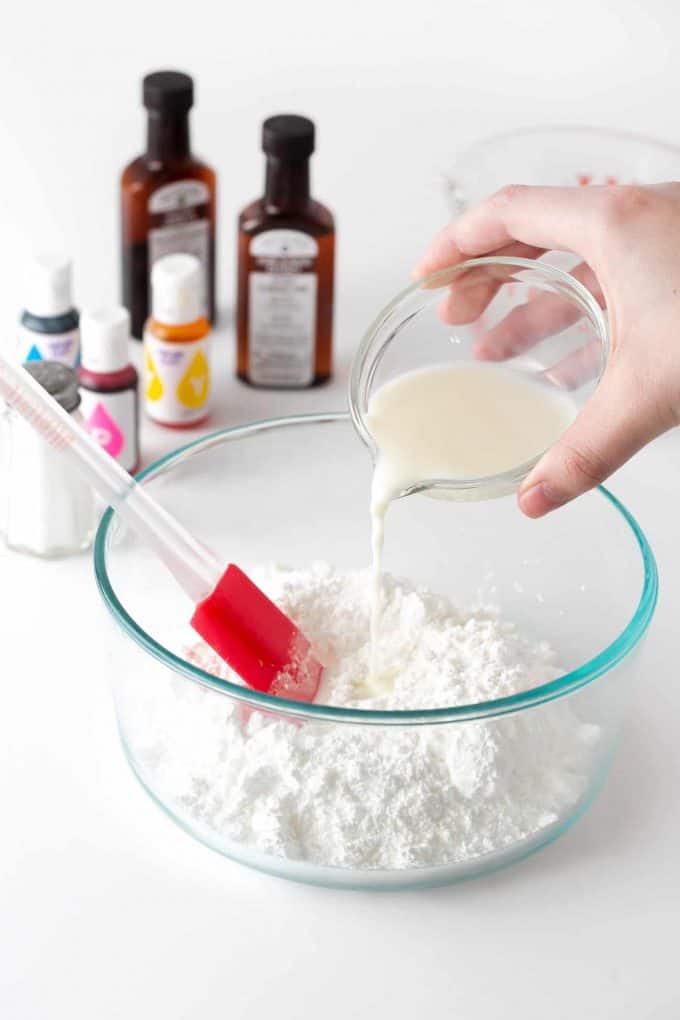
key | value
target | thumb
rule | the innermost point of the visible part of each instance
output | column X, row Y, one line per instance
column 617, row 421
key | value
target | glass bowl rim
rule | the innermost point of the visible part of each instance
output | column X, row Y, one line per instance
column 589, row 671
column 363, row 368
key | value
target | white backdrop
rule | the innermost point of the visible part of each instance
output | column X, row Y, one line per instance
column 107, row 910
column 396, row 90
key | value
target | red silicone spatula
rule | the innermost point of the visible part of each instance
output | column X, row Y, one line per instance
column 258, row 641
column 232, row 615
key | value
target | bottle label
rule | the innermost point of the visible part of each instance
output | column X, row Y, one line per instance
column 111, row 418
column 282, row 299
column 179, row 221
column 64, row 347
column 176, row 380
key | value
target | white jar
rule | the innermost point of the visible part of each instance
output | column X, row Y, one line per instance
column 48, row 509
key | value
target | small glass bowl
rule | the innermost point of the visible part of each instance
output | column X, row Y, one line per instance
column 296, row 490
column 568, row 155
column 537, row 320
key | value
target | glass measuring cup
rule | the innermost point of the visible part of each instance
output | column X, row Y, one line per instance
column 556, row 155
column 534, row 319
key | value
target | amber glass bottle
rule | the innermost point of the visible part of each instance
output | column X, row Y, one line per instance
column 167, row 198
column 285, row 268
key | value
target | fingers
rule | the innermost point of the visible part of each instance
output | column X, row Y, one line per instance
column 617, row 421
column 471, row 292
column 543, row 315
column 545, row 217
column 550, row 218
column 442, row 253
column 577, row 368
column 525, row 326
column 585, row 275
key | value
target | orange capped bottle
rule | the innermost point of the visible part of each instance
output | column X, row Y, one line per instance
column 176, row 336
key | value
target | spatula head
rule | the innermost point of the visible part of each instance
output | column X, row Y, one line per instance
column 256, row 639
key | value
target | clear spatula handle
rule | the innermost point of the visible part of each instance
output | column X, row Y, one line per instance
column 194, row 567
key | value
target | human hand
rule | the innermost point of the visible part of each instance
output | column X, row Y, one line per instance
column 629, row 237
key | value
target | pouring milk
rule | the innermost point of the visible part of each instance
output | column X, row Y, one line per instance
column 455, row 422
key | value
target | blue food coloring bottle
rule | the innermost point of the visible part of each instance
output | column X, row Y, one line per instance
column 48, row 327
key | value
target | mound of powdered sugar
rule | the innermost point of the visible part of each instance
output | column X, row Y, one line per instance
column 368, row 796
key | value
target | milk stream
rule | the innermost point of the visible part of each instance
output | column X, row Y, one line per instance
column 465, row 420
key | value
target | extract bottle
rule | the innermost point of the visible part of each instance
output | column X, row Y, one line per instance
column 285, row 268
column 167, row 199
column 176, row 356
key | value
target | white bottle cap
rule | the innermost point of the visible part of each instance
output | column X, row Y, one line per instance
column 48, row 286
column 176, row 284
column 104, row 336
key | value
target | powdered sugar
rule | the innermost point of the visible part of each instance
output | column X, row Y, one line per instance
column 373, row 796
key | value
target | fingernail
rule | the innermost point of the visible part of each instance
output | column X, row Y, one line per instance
column 538, row 499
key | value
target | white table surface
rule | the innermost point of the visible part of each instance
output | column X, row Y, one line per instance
column 108, row 910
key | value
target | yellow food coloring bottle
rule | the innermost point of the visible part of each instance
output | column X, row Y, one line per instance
column 176, row 338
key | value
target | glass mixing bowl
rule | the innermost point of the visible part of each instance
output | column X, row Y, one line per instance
column 567, row 155
column 536, row 320
column 295, row 491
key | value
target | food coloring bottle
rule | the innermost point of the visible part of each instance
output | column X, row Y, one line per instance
column 167, row 199
column 109, row 384
column 285, row 268
column 176, row 357
column 48, row 329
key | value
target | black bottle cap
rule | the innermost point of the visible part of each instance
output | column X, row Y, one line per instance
column 288, row 136
column 168, row 92
column 60, row 381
